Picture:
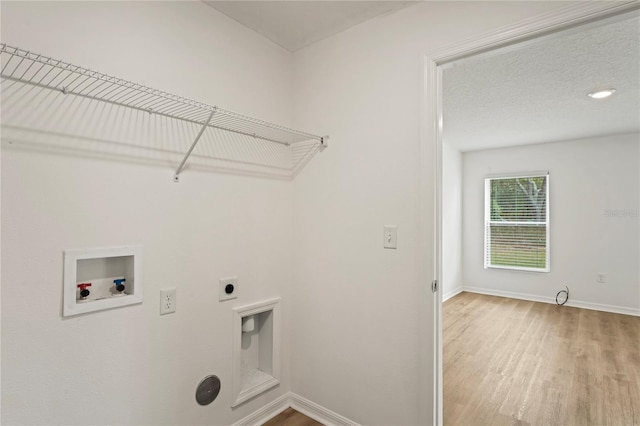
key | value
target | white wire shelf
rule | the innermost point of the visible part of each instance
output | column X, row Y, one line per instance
column 28, row 78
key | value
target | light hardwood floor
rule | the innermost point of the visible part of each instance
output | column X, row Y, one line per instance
column 291, row 417
column 510, row 361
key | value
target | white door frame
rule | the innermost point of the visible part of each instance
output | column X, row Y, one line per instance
column 431, row 135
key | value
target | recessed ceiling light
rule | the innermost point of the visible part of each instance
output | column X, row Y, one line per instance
column 601, row 94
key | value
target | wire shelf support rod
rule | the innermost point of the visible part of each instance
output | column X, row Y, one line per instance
column 176, row 177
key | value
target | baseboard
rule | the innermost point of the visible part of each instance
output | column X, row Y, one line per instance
column 603, row 307
column 449, row 294
column 298, row 403
column 318, row 412
column 573, row 303
column 265, row 413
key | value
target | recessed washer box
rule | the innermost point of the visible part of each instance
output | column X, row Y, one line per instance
column 101, row 278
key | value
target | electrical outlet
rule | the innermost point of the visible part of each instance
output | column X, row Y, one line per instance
column 167, row 301
column 228, row 288
column 600, row 278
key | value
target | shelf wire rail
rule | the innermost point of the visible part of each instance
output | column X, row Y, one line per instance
column 22, row 67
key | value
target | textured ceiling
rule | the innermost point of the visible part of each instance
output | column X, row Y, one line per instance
column 296, row 24
column 538, row 93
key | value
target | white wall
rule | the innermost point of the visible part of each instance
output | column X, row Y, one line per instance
column 452, row 249
column 363, row 315
column 594, row 224
column 130, row 365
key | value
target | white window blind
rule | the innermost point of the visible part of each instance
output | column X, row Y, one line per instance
column 517, row 223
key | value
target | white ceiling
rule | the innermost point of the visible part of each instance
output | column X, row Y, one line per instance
column 534, row 93
column 297, row 24
column 538, row 93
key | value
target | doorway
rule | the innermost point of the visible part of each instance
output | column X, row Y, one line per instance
column 494, row 44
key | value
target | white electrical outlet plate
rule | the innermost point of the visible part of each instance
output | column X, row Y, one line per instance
column 167, row 301
column 390, row 237
column 227, row 284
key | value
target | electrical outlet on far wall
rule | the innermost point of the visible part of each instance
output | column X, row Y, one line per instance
column 167, row 301
column 228, row 288
column 600, row 278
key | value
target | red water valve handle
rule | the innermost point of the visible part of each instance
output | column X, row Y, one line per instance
column 83, row 286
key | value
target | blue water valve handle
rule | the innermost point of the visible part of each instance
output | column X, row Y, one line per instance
column 119, row 285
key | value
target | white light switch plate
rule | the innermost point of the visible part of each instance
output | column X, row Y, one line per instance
column 390, row 236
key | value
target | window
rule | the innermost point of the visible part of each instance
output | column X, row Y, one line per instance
column 517, row 223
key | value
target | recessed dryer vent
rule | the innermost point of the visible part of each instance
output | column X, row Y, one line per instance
column 96, row 279
column 256, row 350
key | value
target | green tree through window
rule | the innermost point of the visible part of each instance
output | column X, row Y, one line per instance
column 516, row 223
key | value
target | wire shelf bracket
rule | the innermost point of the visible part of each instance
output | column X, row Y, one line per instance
column 24, row 67
column 176, row 177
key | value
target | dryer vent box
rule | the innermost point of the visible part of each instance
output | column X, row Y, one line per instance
column 256, row 351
